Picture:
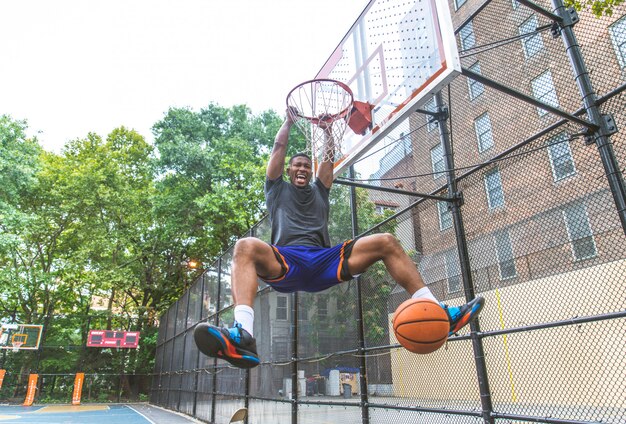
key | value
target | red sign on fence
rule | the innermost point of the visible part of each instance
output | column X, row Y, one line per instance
column 114, row 339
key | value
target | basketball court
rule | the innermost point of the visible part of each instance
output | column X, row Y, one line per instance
column 93, row 414
column 360, row 106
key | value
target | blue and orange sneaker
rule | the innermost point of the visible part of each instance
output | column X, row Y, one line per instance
column 234, row 345
column 460, row 316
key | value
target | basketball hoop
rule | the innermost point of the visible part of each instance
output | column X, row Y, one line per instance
column 17, row 345
column 319, row 108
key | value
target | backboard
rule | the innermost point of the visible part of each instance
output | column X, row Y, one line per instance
column 395, row 56
column 20, row 336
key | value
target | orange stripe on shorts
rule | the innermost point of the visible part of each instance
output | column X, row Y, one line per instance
column 341, row 259
column 284, row 263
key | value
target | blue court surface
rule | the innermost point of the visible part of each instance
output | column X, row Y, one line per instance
column 91, row 414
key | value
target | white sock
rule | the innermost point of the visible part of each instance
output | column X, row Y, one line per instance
column 244, row 315
column 425, row 293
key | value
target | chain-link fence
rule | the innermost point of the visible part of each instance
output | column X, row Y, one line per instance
column 59, row 388
column 532, row 219
column 110, row 374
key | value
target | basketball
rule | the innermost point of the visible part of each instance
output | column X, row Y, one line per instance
column 421, row 325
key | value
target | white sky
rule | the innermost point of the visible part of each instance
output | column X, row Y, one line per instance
column 74, row 66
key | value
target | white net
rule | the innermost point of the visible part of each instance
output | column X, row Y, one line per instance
column 17, row 345
column 322, row 106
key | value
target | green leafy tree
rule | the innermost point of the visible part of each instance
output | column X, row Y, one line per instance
column 597, row 7
column 211, row 167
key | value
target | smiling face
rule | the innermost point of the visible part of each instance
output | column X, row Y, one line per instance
column 300, row 171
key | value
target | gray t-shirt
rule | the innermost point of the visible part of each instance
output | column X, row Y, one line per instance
column 298, row 216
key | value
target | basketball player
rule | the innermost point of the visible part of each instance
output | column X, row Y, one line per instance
column 300, row 257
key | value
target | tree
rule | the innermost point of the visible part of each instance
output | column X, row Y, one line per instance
column 211, row 167
column 597, row 7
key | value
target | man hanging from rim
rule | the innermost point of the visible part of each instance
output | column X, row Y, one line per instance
column 300, row 257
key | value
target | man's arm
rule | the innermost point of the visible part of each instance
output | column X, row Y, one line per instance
column 326, row 168
column 276, row 164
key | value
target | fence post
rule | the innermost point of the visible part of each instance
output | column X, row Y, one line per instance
column 182, row 378
column 216, row 323
column 162, row 347
column 605, row 123
column 169, row 385
column 197, row 375
column 294, row 356
column 360, row 324
column 466, row 272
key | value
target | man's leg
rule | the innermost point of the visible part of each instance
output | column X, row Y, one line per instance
column 251, row 257
column 367, row 250
column 370, row 249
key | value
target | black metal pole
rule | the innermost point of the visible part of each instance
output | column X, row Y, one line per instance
column 248, row 371
column 360, row 322
column 121, row 377
column 590, row 100
column 217, row 323
column 169, row 383
column 528, row 99
column 466, row 272
column 197, row 376
column 162, row 364
column 294, row 356
column 388, row 189
column 187, row 334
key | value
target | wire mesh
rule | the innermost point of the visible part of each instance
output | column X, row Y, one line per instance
column 542, row 232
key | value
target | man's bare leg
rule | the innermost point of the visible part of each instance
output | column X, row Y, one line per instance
column 251, row 257
column 367, row 250
column 370, row 249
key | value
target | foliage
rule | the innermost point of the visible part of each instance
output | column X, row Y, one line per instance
column 211, row 167
column 107, row 224
column 597, row 7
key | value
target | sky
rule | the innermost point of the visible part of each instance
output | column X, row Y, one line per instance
column 70, row 67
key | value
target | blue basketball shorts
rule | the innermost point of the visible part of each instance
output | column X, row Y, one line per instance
column 311, row 268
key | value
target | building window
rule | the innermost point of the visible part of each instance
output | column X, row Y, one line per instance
column 445, row 216
column 303, row 313
column 544, row 91
column 458, row 3
column 407, row 145
column 561, row 159
column 467, row 37
column 532, row 44
column 381, row 209
column 281, row 350
column 617, row 32
column 579, row 231
column 431, row 122
column 436, row 158
column 322, row 306
column 493, row 187
column 482, row 125
column 504, row 252
column 452, row 272
column 515, row 4
column 475, row 88
column 281, row 308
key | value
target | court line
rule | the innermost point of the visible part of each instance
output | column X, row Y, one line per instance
column 188, row 417
column 137, row 412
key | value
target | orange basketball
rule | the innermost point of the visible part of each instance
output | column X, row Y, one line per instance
column 421, row 325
